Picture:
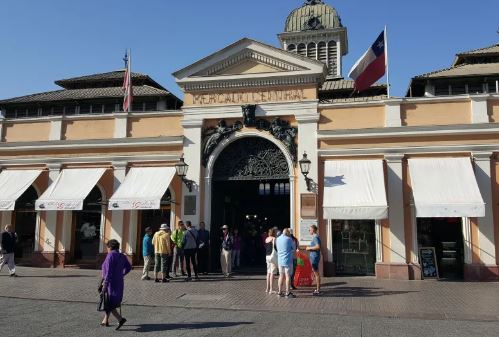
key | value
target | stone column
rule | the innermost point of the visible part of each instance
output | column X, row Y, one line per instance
column 486, row 223
column 398, row 268
column 49, row 244
column 192, row 157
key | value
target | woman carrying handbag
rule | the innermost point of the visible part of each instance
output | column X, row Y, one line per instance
column 271, row 259
column 114, row 269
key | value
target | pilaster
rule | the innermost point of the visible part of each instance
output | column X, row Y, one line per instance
column 396, row 209
column 485, row 224
column 192, row 156
column 55, row 128
column 49, row 245
column 392, row 113
column 120, row 125
column 119, row 172
column 479, row 113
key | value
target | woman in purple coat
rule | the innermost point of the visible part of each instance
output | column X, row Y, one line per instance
column 114, row 269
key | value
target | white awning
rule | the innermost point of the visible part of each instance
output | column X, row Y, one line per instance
column 69, row 189
column 445, row 187
column 13, row 183
column 142, row 188
column 354, row 189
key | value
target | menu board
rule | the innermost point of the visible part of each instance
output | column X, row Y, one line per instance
column 428, row 261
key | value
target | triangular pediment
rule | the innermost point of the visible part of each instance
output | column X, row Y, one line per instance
column 248, row 62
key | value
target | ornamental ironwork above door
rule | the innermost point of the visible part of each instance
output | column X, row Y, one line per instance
column 251, row 158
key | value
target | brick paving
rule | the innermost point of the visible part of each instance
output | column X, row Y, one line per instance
column 342, row 296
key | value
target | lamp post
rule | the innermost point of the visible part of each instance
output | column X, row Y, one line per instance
column 305, row 169
column 182, row 167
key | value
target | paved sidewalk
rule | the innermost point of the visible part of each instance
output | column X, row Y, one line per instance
column 342, row 296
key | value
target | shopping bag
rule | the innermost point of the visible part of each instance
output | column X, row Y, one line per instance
column 303, row 274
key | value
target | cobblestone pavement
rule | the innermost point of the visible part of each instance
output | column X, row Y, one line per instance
column 27, row 317
column 367, row 297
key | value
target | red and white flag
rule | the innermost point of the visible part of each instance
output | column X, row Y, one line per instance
column 127, row 84
column 371, row 66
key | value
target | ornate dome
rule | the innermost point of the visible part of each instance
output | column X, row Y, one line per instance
column 313, row 15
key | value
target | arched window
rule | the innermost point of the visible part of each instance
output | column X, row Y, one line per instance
column 322, row 52
column 302, row 49
column 292, row 48
column 312, row 50
column 332, row 53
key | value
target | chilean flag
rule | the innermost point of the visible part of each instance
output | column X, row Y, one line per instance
column 371, row 66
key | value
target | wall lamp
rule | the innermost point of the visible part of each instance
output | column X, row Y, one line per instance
column 305, row 169
column 182, row 167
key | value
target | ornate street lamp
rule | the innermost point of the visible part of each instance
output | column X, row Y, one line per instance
column 305, row 169
column 182, row 167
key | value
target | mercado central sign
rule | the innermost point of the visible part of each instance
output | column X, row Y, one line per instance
column 261, row 96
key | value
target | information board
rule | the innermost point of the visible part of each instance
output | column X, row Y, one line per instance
column 305, row 236
column 428, row 261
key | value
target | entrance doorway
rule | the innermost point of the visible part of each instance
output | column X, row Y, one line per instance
column 153, row 218
column 250, row 193
column 24, row 220
column 86, row 228
column 354, row 247
column 446, row 236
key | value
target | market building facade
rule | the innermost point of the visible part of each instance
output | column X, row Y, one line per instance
column 272, row 137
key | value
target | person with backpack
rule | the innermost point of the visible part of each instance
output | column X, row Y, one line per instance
column 190, row 249
column 178, row 250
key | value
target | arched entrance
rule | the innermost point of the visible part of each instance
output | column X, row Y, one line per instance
column 25, row 219
column 251, row 193
column 87, row 227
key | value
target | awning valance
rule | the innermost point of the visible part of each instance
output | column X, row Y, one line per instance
column 13, row 183
column 354, row 189
column 69, row 189
column 445, row 187
column 142, row 188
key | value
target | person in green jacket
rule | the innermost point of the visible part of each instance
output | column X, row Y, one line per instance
column 178, row 251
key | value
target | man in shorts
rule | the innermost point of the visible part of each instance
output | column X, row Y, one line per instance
column 285, row 250
column 315, row 256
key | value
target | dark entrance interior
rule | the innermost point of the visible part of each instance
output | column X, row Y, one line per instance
column 354, row 247
column 24, row 219
column 153, row 218
column 446, row 236
column 86, row 224
column 250, row 192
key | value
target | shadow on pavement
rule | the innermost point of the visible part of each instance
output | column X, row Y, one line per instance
column 53, row 276
column 182, row 326
column 361, row 292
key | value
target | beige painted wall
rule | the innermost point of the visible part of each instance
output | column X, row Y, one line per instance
column 409, row 141
column 443, row 113
column 26, row 132
column 352, row 118
column 493, row 110
column 88, row 129
column 141, row 127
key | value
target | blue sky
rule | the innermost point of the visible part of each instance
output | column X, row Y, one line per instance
column 43, row 41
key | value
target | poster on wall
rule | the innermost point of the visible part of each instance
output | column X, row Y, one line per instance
column 428, row 260
column 308, row 205
column 190, row 205
column 305, row 236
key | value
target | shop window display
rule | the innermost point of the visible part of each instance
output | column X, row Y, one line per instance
column 354, row 247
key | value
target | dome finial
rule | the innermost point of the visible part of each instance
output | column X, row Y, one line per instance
column 313, row 2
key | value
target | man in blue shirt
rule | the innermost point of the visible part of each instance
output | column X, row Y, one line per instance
column 315, row 257
column 147, row 253
column 284, row 247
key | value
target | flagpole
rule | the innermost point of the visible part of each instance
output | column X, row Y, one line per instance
column 387, row 66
